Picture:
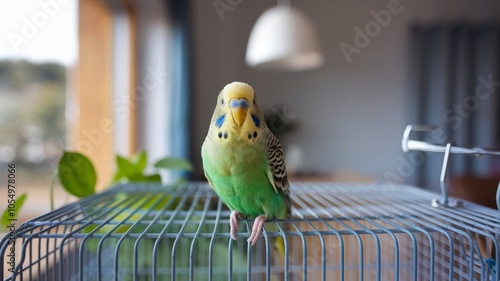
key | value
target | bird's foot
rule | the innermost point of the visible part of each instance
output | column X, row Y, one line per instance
column 256, row 229
column 233, row 222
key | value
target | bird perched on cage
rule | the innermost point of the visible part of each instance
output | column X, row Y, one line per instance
column 243, row 160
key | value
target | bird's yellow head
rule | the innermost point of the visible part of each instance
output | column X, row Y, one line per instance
column 237, row 115
column 237, row 99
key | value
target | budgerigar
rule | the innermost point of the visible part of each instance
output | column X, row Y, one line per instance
column 243, row 160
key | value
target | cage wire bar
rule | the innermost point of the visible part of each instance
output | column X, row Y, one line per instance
column 337, row 231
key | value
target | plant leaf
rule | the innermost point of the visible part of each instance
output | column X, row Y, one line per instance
column 172, row 163
column 116, row 177
column 140, row 160
column 11, row 214
column 77, row 174
column 153, row 178
column 127, row 169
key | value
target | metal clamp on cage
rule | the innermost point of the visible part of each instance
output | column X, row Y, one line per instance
column 450, row 148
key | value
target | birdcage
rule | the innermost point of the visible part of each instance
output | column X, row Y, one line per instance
column 337, row 231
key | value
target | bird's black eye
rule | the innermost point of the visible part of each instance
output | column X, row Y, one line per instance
column 253, row 101
column 222, row 102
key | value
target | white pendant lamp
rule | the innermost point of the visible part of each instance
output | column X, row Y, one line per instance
column 283, row 38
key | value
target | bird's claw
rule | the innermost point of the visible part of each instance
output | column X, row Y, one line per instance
column 233, row 222
column 256, row 229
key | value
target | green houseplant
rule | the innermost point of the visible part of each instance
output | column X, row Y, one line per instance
column 77, row 176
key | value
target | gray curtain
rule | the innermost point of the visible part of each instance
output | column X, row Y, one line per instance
column 454, row 70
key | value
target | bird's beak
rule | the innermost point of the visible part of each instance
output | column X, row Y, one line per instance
column 239, row 109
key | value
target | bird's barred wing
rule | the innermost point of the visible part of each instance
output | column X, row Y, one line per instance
column 277, row 171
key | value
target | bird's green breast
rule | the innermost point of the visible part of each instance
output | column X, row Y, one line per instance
column 238, row 173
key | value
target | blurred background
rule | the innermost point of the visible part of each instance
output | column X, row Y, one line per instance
column 114, row 77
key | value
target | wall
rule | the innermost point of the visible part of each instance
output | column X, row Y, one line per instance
column 351, row 115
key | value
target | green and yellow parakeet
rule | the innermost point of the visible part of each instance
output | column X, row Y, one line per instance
column 243, row 160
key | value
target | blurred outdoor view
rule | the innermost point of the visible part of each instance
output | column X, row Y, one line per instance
column 32, row 117
column 38, row 49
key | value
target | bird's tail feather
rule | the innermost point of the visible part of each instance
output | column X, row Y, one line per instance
column 278, row 250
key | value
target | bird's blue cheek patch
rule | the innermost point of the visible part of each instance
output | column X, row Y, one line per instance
column 256, row 121
column 220, row 120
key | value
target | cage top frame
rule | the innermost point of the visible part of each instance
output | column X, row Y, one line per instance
column 322, row 211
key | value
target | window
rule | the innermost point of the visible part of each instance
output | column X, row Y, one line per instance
column 37, row 57
column 91, row 76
